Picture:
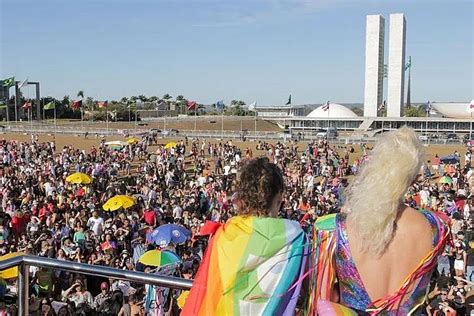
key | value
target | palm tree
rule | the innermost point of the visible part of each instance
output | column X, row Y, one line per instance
column 167, row 96
column 153, row 98
column 124, row 100
column 181, row 103
column 80, row 94
column 142, row 98
column 134, row 98
column 89, row 103
column 66, row 100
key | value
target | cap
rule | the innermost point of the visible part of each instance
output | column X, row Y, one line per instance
column 104, row 286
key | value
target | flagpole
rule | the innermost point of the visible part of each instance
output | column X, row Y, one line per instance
column 31, row 119
column 195, row 117
column 222, row 124
column 107, row 119
column 8, row 114
column 136, row 114
column 55, row 126
column 16, row 102
column 255, row 109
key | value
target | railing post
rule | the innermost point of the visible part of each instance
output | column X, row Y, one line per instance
column 23, row 287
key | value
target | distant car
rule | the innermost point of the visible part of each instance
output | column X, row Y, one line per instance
column 170, row 132
column 423, row 137
column 452, row 138
column 329, row 133
column 142, row 124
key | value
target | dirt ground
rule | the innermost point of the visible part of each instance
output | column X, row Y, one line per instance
column 82, row 143
column 213, row 124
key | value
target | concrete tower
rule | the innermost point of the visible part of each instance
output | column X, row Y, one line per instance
column 396, row 65
column 374, row 64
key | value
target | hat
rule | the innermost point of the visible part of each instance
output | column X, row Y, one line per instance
column 104, row 286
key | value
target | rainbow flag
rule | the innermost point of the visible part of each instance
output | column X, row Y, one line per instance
column 252, row 266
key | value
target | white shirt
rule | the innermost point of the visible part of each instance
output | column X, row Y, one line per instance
column 96, row 225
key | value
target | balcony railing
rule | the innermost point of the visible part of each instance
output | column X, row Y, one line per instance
column 24, row 261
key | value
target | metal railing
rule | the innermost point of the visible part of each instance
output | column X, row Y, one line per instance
column 25, row 261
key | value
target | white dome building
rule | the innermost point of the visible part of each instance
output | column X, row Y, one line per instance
column 335, row 111
column 453, row 109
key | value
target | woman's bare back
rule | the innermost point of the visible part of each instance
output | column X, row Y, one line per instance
column 383, row 275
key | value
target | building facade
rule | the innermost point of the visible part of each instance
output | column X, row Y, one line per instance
column 396, row 65
column 374, row 64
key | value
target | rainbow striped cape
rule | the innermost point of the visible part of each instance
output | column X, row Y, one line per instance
column 251, row 267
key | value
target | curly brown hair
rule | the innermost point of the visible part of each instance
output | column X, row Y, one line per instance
column 258, row 184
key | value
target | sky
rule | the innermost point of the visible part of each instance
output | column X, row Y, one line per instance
column 208, row 50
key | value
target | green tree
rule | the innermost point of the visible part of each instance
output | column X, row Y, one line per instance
column 80, row 94
column 167, row 97
column 124, row 100
column 89, row 104
column 142, row 98
column 181, row 104
column 414, row 112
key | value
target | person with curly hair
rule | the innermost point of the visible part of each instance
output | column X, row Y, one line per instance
column 254, row 261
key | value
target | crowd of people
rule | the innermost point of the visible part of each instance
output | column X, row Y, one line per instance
column 187, row 184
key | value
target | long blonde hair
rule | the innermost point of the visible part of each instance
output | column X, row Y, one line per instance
column 374, row 197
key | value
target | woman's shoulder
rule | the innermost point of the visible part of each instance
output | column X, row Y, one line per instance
column 414, row 222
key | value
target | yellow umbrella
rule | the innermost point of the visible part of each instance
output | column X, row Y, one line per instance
column 133, row 140
column 170, row 145
column 182, row 299
column 119, row 201
column 11, row 272
column 79, row 178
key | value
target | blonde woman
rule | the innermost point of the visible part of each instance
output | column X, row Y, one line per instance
column 378, row 254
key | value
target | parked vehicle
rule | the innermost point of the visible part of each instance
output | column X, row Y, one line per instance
column 328, row 133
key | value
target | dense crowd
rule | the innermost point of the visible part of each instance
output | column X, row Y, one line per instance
column 186, row 184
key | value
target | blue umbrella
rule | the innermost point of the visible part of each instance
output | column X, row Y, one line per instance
column 450, row 159
column 169, row 233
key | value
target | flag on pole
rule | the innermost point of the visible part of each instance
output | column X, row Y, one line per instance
column 326, row 106
column 23, row 83
column 470, row 107
column 102, row 104
column 192, row 105
column 75, row 105
column 252, row 106
column 9, row 82
column 49, row 106
column 220, row 105
column 382, row 106
column 26, row 105
column 428, row 107
column 408, row 64
column 289, row 100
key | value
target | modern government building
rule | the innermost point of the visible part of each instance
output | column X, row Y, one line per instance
column 442, row 117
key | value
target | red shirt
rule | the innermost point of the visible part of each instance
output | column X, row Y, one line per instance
column 149, row 216
column 18, row 223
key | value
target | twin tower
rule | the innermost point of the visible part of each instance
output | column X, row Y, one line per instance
column 374, row 65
